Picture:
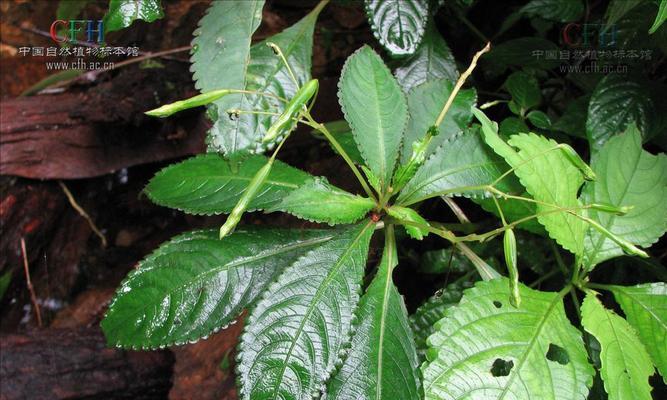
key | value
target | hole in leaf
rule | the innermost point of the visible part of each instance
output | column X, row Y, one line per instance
column 557, row 354
column 501, row 367
column 497, row 304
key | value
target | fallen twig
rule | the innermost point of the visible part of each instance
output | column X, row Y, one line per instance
column 83, row 213
column 28, row 282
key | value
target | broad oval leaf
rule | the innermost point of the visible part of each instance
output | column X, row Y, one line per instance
column 549, row 176
column 382, row 361
column 645, row 307
column 297, row 333
column 462, row 166
column 626, row 176
column 209, row 184
column 626, row 366
column 616, row 102
column 485, row 348
column 425, row 103
column 433, row 60
column 122, row 13
column 197, row 284
column 376, row 110
column 399, row 25
column 524, row 89
column 318, row 201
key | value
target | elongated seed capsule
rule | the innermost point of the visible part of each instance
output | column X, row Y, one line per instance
column 253, row 187
column 292, row 109
column 510, row 260
column 609, row 208
column 576, row 160
column 196, row 101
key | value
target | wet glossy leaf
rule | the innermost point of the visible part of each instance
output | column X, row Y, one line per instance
column 433, row 60
column 297, row 333
column 627, row 176
column 375, row 108
column 196, row 284
column 458, row 168
column 399, row 25
column 319, row 201
column 485, row 347
column 549, row 177
column 626, row 366
column 617, row 102
column 382, row 361
column 425, row 103
column 645, row 307
column 122, row 13
column 209, row 184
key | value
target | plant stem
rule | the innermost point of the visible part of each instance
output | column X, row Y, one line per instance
column 323, row 129
column 485, row 270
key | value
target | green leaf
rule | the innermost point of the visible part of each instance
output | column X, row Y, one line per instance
column 208, row 184
column 122, row 13
column 432, row 311
column 539, row 119
column 626, row 366
column 5, row 280
column 425, row 103
column 627, row 176
column 342, row 132
column 382, row 361
column 526, row 52
column 70, row 9
column 410, row 215
column 524, row 89
column 319, row 201
column 376, row 109
column 486, row 348
column 196, row 284
column 549, row 176
column 433, row 60
column 573, row 120
column 458, row 168
column 660, row 18
column 555, row 10
column 511, row 125
column 617, row 101
column 645, row 307
column 618, row 8
column 296, row 334
column 398, row 24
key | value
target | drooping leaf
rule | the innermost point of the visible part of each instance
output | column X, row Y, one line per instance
column 524, row 89
column 320, row 201
column 660, row 18
column 196, row 284
column 555, row 10
column 425, row 103
column 627, row 176
column 432, row 311
column 618, row 101
column 645, row 307
column 433, row 60
column 375, row 108
column 399, row 25
column 626, row 366
column 208, row 184
column 295, row 335
column 549, row 176
column 486, row 348
column 122, row 13
column 460, row 167
column 382, row 361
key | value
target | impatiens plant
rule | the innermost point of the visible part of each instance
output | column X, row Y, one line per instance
column 319, row 323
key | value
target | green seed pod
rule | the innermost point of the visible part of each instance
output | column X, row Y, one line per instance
column 576, row 160
column 196, row 101
column 249, row 194
column 605, row 207
column 293, row 108
column 510, row 260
